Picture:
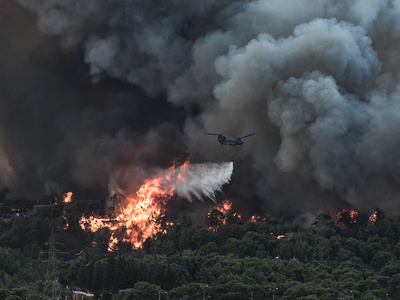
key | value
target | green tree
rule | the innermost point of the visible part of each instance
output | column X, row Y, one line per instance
column 381, row 258
column 13, row 297
column 145, row 291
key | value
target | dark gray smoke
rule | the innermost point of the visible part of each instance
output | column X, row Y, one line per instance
column 111, row 89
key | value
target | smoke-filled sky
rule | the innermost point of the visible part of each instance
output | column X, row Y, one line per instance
column 98, row 92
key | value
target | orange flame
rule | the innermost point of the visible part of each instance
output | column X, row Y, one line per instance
column 253, row 219
column 140, row 214
column 286, row 236
column 142, row 211
column 67, row 197
column 372, row 218
column 352, row 215
column 224, row 206
column 66, row 226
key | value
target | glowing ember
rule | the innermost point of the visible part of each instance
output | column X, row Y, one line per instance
column 66, row 226
column 353, row 215
column 253, row 219
column 372, row 218
column 286, row 236
column 67, row 197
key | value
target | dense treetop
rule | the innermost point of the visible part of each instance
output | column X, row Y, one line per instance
column 224, row 259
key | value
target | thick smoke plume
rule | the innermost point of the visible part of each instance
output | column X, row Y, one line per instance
column 104, row 89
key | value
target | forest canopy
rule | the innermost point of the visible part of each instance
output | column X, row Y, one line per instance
column 224, row 259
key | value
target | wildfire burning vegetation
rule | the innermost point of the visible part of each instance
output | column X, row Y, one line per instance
column 350, row 217
column 67, row 197
column 219, row 214
column 344, row 216
column 135, row 218
column 372, row 218
column 224, row 207
column 138, row 215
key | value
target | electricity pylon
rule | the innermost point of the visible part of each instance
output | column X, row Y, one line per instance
column 52, row 286
column 320, row 254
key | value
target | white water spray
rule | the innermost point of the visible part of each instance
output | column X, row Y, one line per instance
column 202, row 180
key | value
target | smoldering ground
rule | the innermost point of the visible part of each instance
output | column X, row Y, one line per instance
column 104, row 89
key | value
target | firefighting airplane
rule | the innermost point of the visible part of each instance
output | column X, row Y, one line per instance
column 229, row 142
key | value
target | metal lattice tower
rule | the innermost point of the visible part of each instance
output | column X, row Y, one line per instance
column 52, row 286
column 320, row 254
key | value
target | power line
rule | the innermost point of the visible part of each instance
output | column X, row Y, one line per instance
column 52, row 286
column 320, row 254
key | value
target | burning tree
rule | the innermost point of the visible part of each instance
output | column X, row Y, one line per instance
column 138, row 215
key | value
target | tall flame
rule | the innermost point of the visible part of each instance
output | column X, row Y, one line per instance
column 139, row 217
column 140, row 213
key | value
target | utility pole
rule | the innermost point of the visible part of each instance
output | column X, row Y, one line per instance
column 159, row 293
column 251, row 295
column 320, row 254
column 52, row 286
column 204, row 291
column 273, row 293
